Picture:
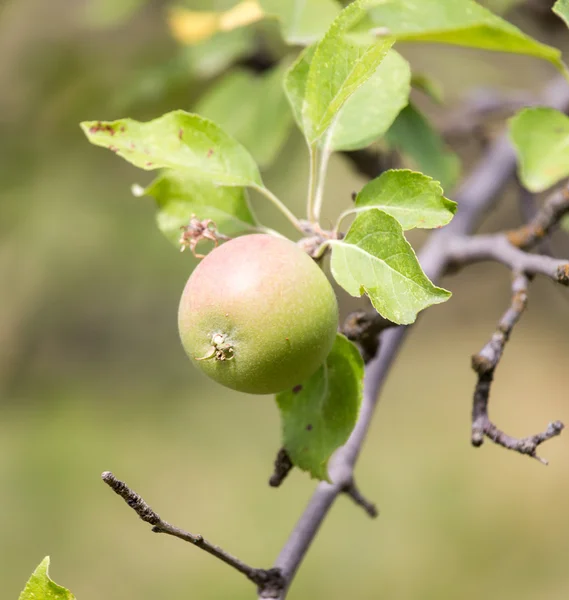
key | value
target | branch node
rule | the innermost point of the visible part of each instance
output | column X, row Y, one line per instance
column 354, row 493
column 481, row 365
column 283, row 466
column 364, row 329
column 477, row 438
column 270, row 582
column 563, row 274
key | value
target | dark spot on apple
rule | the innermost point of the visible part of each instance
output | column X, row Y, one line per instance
column 149, row 164
column 209, row 152
column 297, row 388
column 309, row 427
column 181, row 133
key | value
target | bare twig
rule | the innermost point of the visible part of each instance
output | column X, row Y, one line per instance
column 270, row 579
column 485, row 363
column 465, row 250
column 544, row 220
column 354, row 493
column 475, row 196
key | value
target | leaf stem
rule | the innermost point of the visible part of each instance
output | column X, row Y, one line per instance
column 325, row 154
column 312, row 175
column 280, row 205
column 346, row 213
column 321, row 250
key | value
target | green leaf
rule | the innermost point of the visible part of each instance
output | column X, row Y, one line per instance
column 302, row 21
column 561, row 9
column 458, row 22
column 179, row 197
column 414, row 199
column 178, row 140
column 295, row 83
column 319, row 414
column 41, row 587
column 541, row 139
column 253, row 109
column 371, row 109
column 376, row 259
column 340, row 64
column 415, row 138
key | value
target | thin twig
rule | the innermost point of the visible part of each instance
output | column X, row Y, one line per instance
column 543, row 222
column 474, row 198
column 466, row 250
column 485, row 363
column 354, row 493
column 265, row 579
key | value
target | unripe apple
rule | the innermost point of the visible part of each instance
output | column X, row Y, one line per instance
column 258, row 315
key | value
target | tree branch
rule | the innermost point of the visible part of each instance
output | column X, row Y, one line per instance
column 474, row 198
column 465, row 250
column 485, row 363
column 266, row 579
column 543, row 222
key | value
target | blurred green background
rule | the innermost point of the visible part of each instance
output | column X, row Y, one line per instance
column 93, row 377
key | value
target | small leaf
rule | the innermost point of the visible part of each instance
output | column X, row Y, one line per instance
column 302, row 21
column 376, row 259
column 414, row 199
column 179, row 197
column 541, row 139
column 41, row 587
column 371, row 109
column 178, row 140
column 340, row 65
column 460, row 22
column 561, row 9
column 414, row 137
column 251, row 108
column 318, row 415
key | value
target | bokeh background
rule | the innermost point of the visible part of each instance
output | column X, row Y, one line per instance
column 92, row 375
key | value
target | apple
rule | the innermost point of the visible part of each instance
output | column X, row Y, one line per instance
column 258, row 315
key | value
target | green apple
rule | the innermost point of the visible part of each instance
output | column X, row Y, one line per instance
column 257, row 315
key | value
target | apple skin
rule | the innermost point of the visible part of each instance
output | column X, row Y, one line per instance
column 265, row 308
